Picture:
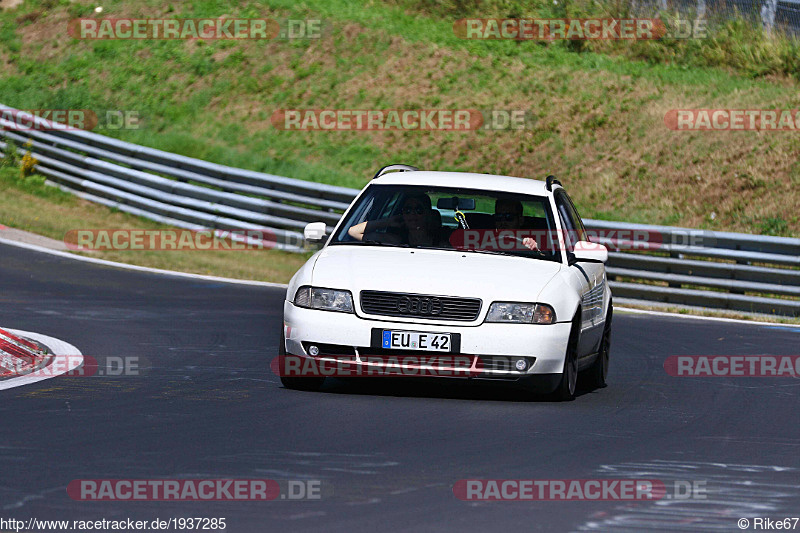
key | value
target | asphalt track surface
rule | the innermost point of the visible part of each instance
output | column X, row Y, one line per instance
column 387, row 453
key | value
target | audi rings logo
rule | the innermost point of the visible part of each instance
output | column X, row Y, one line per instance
column 419, row 306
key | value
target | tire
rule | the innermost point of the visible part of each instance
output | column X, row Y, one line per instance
column 304, row 384
column 569, row 375
column 598, row 373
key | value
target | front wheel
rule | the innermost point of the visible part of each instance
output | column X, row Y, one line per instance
column 569, row 375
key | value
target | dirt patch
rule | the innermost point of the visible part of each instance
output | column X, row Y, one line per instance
column 8, row 4
column 26, row 237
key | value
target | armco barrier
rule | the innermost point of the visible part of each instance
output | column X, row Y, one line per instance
column 733, row 271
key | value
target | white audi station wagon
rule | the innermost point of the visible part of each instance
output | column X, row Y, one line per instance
column 492, row 276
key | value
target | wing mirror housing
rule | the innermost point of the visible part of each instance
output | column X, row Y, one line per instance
column 314, row 232
column 590, row 252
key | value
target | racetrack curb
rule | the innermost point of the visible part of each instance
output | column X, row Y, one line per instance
column 18, row 355
column 64, row 358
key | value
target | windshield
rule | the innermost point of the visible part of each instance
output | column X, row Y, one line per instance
column 466, row 220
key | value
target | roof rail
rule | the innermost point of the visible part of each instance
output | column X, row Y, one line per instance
column 394, row 168
column 549, row 181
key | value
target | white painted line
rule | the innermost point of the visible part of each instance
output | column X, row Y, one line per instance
column 697, row 317
column 67, row 358
column 139, row 268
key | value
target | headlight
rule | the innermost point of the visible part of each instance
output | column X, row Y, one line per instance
column 324, row 299
column 521, row 313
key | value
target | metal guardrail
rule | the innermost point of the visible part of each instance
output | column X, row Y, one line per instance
column 679, row 266
column 177, row 190
column 781, row 15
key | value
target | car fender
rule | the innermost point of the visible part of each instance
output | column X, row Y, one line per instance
column 562, row 292
column 302, row 277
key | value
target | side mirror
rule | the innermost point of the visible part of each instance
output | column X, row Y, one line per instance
column 591, row 252
column 315, row 232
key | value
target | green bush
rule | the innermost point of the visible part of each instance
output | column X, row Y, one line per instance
column 10, row 155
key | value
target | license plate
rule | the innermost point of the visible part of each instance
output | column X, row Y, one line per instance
column 416, row 340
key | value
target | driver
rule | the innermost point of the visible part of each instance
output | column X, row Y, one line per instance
column 416, row 225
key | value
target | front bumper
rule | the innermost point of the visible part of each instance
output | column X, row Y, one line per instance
column 544, row 345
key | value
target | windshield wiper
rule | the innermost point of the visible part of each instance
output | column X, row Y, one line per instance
column 533, row 254
column 373, row 242
column 490, row 252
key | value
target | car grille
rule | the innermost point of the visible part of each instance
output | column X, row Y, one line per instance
column 420, row 305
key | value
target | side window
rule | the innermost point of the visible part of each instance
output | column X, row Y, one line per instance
column 579, row 227
column 567, row 224
column 391, row 206
column 573, row 225
column 359, row 214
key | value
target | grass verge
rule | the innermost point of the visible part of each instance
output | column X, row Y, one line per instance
column 31, row 206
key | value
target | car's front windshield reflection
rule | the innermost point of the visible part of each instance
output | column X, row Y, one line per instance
column 452, row 219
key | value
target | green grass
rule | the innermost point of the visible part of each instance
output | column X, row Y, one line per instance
column 736, row 44
column 32, row 206
column 597, row 115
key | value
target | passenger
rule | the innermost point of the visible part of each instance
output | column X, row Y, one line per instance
column 508, row 216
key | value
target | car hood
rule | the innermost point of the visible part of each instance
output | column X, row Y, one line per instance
column 434, row 272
